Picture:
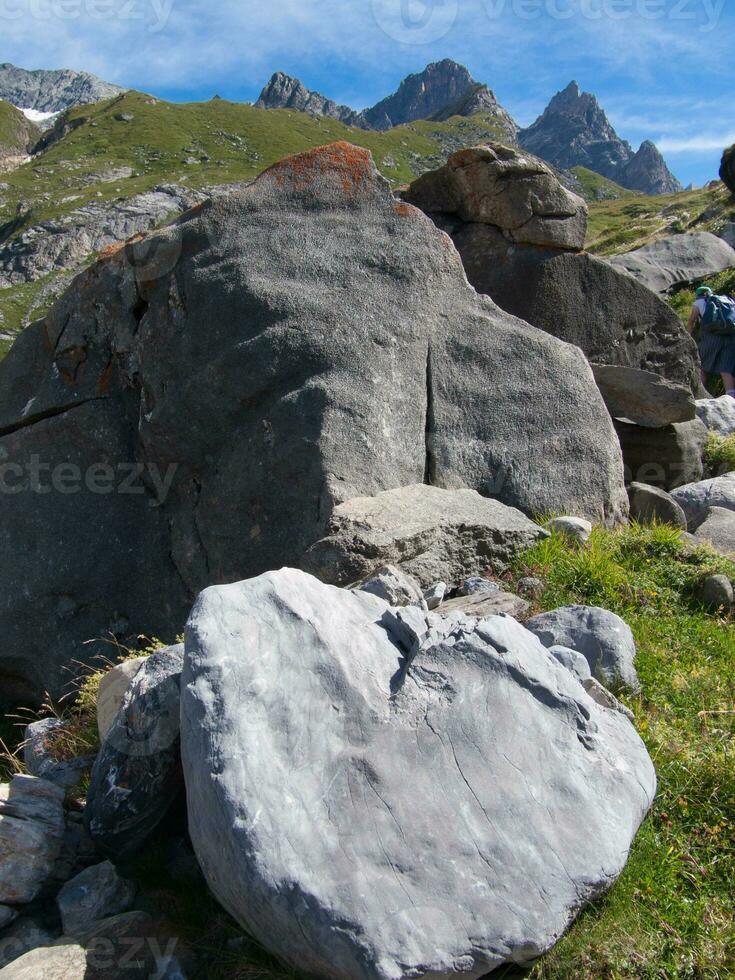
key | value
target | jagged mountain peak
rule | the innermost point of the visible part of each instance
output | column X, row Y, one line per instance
column 286, row 92
column 52, row 91
column 422, row 94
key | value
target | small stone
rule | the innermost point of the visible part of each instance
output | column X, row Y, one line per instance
column 435, row 595
column 531, row 588
column 476, row 584
column 572, row 660
column 717, row 593
column 96, row 893
column 649, row 505
column 484, row 604
column 718, row 530
column 40, row 759
column 575, row 529
column 396, row 587
column 31, row 834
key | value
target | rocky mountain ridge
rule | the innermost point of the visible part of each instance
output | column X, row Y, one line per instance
column 574, row 131
column 52, row 91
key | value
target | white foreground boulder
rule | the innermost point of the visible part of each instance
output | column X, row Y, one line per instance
column 374, row 812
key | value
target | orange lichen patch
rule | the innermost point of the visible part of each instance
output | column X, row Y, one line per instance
column 351, row 164
column 111, row 250
column 403, row 210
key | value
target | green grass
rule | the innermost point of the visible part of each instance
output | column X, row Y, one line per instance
column 633, row 221
column 595, row 187
column 670, row 914
column 719, row 455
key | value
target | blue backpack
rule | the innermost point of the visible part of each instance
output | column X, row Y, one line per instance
column 719, row 316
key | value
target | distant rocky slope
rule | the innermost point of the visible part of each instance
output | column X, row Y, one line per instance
column 52, row 91
column 442, row 90
column 574, row 131
column 17, row 134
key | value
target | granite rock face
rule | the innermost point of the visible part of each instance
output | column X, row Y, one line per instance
column 277, row 706
column 649, row 504
column 718, row 529
column 718, row 414
column 643, row 397
column 697, row 499
column 668, row 457
column 432, row 534
column 541, row 275
column 676, row 259
column 31, row 835
column 322, row 343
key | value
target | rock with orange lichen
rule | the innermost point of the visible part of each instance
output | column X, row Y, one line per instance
column 222, row 384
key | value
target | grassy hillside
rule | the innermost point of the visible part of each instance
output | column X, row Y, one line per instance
column 595, row 187
column 634, row 220
column 16, row 132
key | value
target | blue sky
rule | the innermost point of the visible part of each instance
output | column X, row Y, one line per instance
column 663, row 69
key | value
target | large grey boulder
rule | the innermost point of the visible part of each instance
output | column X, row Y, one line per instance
column 137, row 775
column 604, row 639
column 579, row 298
column 643, row 397
column 96, row 893
column 718, row 414
column 696, row 499
column 667, row 458
column 31, row 835
column 718, row 529
column 507, row 188
column 432, row 534
column 368, row 810
column 675, row 259
column 322, row 343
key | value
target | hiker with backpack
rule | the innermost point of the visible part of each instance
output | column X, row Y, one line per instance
column 716, row 315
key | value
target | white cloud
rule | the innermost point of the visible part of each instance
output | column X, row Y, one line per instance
column 703, row 143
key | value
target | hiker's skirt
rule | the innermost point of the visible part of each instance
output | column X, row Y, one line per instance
column 717, row 353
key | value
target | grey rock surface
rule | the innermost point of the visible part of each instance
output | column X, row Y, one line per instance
column 574, row 131
column 573, row 661
column 103, row 952
column 667, row 458
column 23, row 935
column 432, row 534
column 643, row 397
column 52, row 91
column 394, row 586
column 31, row 835
column 718, row 529
column 600, row 694
column 483, row 604
column 291, row 734
column 696, row 499
column 96, row 893
column 273, row 405
column 669, row 261
column 574, row 529
column 111, row 693
column 718, row 414
column 727, row 233
column 650, row 505
column 475, row 584
column 604, row 639
column 434, row 595
column 7, row 915
column 717, row 593
column 137, row 776
column 508, row 189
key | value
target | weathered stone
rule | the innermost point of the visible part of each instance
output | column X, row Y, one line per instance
column 475, row 584
column 718, row 414
column 573, row 661
column 696, row 499
column 508, row 189
column 434, row 595
column 273, row 405
column 31, row 833
column 23, row 935
column 579, row 298
column 718, row 529
column 429, row 533
column 666, row 262
column 96, row 893
column 531, row 587
column 137, row 776
column 604, row 639
column 666, row 458
column 717, row 593
column 132, row 946
column 605, row 698
column 394, row 586
column 574, row 529
column 7, row 915
column 289, row 733
column 649, row 505
column 483, row 604
column 643, row 397
column 41, row 760
column 111, row 692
